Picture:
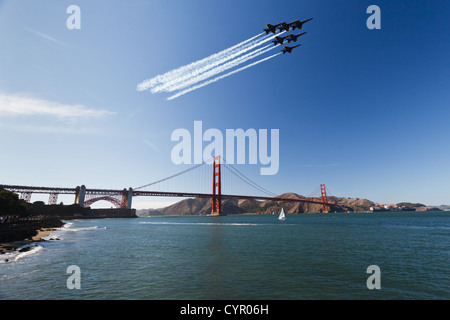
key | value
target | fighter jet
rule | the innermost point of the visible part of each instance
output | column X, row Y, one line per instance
column 283, row 26
column 271, row 28
column 289, row 49
column 298, row 24
column 279, row 40
column 293, row 37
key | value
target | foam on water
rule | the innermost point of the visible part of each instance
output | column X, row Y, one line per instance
column 57, row 235
column 18, row 275
column 34, row 249
column 203, row 223
column 17, row 255
column 71, row 229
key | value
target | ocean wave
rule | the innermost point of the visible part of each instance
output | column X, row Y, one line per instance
column 26, row 251
column 419, row 227
column 202, row 223
column 83, row 228
column 18, row 275
column 54, row 236
column 67, row 225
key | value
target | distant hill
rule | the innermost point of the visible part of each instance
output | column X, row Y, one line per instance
column 199, row 206
column 202, row 206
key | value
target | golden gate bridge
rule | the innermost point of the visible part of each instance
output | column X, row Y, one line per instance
column 85, row 197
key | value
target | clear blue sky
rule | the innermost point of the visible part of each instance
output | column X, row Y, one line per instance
column 364, row 111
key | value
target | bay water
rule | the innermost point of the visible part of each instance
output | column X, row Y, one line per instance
column 248, row 257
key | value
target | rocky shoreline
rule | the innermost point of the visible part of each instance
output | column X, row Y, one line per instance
column 16, row 234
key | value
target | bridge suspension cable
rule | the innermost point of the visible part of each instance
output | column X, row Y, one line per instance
column 245, row 179
column 204, row 176
column 173, row 176
column 315, row 193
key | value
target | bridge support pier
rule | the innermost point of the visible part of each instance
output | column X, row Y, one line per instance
column 130, row 197
column 53, row 198
column 127, row 196
column 26, row 196
column 80, row 194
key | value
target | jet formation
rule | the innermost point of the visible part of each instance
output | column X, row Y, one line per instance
column 283, row 26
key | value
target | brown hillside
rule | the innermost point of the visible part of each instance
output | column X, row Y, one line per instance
column 202, row 206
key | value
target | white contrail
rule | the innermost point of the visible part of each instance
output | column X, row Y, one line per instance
column 146, row 84
column 220, row 77
column 221, row 68
column 179, row 71
column 179, row 81
column 201, row 70
column 197, row 75
column 196, row 70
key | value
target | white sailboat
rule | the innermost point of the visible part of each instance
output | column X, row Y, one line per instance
column 282, row 216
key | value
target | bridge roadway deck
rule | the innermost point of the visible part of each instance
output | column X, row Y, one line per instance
column 138, row 193
column 227, row 196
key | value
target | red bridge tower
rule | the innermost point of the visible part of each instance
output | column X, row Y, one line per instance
column 323, row 193
column 216, row 194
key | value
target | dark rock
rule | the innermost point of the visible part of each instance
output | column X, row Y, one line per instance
column 26, row 229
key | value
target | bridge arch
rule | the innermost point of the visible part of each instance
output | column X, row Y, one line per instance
column 111, row 199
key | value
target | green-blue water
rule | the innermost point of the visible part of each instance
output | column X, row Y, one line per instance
column 313, row 256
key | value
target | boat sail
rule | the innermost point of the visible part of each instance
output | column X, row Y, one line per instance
column 282, row 216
